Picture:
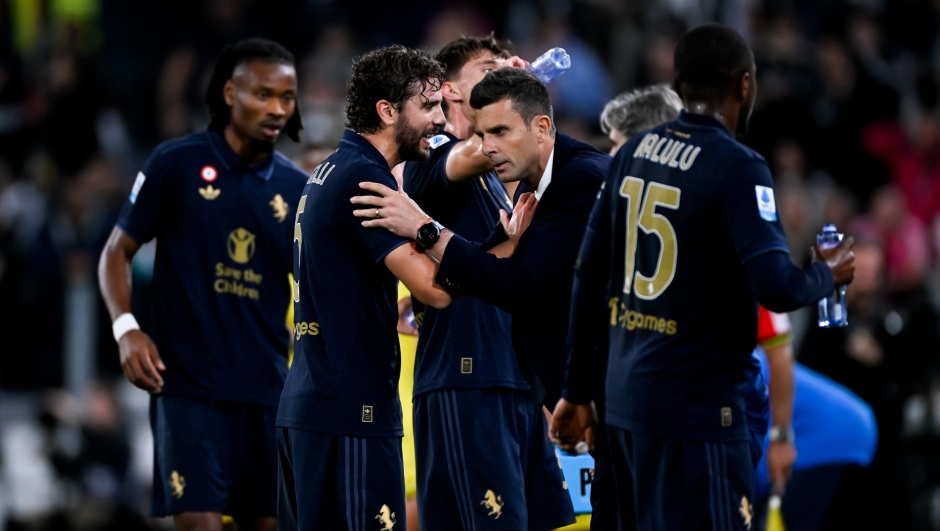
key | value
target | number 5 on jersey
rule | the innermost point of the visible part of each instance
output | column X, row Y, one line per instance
column 646, row 218
column 299, row 238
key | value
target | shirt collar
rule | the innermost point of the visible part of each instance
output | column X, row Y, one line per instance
column 354, row 138
column 546, row 177
column 702, row 120
column 231, row 161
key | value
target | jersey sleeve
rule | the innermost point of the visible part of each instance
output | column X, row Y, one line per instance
column 772, row 328
column 140, row 216
column 423, row 178
column 377, row 242
column 750, row 210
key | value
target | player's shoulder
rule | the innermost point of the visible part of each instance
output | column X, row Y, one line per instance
column 287, row 169
column 580, row 158
column 183, row 146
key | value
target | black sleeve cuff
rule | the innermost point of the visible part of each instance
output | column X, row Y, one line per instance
column 496, row 237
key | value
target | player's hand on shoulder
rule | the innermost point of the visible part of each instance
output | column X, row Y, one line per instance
column 140, row 361
column 572, row 424
column 840, row 259
column 391, row 209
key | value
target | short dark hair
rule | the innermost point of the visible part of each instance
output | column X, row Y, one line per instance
column 459, row 52
column 527, row 94
column 392, row 73
column 455, row 54
column 233, row 55
column 708, row 59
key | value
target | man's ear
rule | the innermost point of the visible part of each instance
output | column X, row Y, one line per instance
column 744, row 86
column 450, row 92
column 228, row 92
column 544, row 125
column 386, row 111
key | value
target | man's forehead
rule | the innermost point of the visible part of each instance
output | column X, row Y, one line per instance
column 502, row 112
column 263, row 69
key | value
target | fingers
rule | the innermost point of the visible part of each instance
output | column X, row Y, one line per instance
column 504, row 220
column 135, row 374
column 848, row 243
column 380, row 189
column 150, row 371
column 589, row 437
column 364, row 213
column 372, row 200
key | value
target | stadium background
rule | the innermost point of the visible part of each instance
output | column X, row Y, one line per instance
column 847, row 117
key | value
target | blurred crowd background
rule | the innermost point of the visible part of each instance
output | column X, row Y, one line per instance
column 848, row 117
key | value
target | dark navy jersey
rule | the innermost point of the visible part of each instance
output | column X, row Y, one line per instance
column 469, row 343
column 685, row 207
column 344, row 379
column 221, row 289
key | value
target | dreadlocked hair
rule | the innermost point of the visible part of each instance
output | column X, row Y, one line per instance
column 233, row 55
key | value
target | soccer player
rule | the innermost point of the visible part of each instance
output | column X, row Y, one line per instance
column 530, row 275
column 340, row 419
column 477, row 429
column 218, row 202
column 685, row 239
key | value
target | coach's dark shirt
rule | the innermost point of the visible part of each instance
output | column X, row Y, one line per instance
column 344, row 379
column 534, row 285
column 684, row 210
column 220, row 280
column 469, row 343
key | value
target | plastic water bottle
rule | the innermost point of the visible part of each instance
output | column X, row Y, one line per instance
column 550, row 65
column 832, row 313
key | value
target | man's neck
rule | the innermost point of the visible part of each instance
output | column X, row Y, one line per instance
column 545, row 153
column 246, row 150
column 383, row 140
column 459, row 123
column 725, row 113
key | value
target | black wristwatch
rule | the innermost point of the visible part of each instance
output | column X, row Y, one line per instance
column 428, row 235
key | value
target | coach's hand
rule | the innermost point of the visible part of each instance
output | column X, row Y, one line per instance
column 571, row 424
column 840, row 259
column 780, row 458
column 522, row 215
column 140, row 361
column 391, row 209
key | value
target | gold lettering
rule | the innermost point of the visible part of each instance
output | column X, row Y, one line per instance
column 671, row 327
column 614, row 301
column 303, row 328
column 649, row 322
column 661, row 325
column 251, row 276
column 314, row 329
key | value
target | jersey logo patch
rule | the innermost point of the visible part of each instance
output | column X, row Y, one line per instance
column 241, row 245
column 746, row 511
column 209, row 193
column 494, row 503
column 766, row 205
column 177, row 484
column 281, row 208
column 138, row 184
column 387, row 518
column 438, row 141
column 366, row 413
column 209, row 174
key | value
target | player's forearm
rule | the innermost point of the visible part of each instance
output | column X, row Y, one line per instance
column 467, row 160
column 782, row 287
column 780, row 359
column 114, row 275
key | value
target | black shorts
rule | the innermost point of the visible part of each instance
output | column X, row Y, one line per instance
column 330, row 482
column 213, row 456
column 484, row 462
column 682, row 484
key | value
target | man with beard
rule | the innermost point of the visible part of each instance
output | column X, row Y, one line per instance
column 682, row 325
column 466, row 371
column 218, row 203
column 528, row 276
column 340, row 419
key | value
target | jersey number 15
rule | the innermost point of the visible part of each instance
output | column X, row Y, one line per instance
column 646, row 218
